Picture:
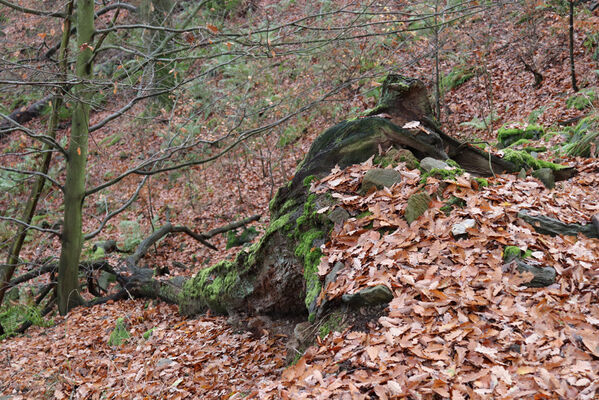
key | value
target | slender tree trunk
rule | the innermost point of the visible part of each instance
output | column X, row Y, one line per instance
column 572, row 69
column 72, row 237
column 7, row 271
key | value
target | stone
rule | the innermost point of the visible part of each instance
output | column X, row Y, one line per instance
column 338, row 216
column 546, row 176
column 120, row 334
column 332, row 275
column 429, row 163
column 460, row 230
column 371, row 296
column 595, row 222
column 522, row 174
column 553, row 227
column 395, row 156
column 303, row 332
column 543, row 276
column 417, row 205
column 164, row 362
column 379, row 178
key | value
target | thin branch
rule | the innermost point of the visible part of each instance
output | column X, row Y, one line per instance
column 42, row 138
column 32, row 11
column 231, row 226
column 199, row 238
column 36, row 173
column 37, row 228
column 116, row 212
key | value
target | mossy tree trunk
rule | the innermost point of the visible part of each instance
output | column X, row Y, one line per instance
column 74, row 191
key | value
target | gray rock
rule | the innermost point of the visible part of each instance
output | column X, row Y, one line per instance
column 303, row 332
column 543, row 276
column 429, row 163
column 546, row 176
column 164, row 362
column 379, row 178
column 522, row 174
column 338, row 216
column 417, row 205
column 460, row 230
column 553, row 227
column 595, row 222
column 370, row 296
column 332, row 275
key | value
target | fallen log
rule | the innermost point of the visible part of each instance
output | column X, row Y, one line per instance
column 23, row 114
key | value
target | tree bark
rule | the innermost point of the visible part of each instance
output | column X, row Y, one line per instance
column 72, row 236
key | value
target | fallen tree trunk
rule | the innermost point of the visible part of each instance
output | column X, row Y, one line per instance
column 24, row 114
column 278, row 275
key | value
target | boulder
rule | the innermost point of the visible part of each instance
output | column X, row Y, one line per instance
column 460, row 230
column 546, row 176
column 379, row 178
column 417, row 205
column 428, row 164
column 371, row 296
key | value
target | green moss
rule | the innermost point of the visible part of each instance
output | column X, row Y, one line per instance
column 520, row 142
column 287, row 206
column 482, row 182
column 537, row 149
column 309, row 215
column 279, row 223
column 308, row 180
column 310, row 255
column 246, row 236
column 456, row 77
column 522, row 159
column 452, row 203
column 363, row 214
column 512, row 136
column 511, row 252
column 98, row 254
column 442, row 174
column 120, row 334
column 452, row 163
column 332, row 323
column 582, row 99
column 148, row 333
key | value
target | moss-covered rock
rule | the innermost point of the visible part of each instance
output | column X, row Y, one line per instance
column 524, row 160
column 379, row 178
column 510, row 136
column 120, row 334
column 395, row 156
column 417, row 205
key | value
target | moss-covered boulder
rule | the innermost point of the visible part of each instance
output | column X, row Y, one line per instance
column 512, row 136
column 379, row 178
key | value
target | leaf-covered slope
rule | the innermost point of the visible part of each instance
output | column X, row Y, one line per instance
column 461, row 324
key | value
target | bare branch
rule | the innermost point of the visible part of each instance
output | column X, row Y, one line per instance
column 116, row 212
column 35, row 173
column 32, row 11
column 37, row 228
column 231, row 226
column 42, row 138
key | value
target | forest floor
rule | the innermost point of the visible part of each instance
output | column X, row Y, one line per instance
column 483, row 336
